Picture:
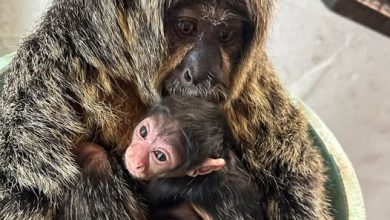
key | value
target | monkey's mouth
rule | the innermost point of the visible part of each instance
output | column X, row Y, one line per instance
column 213, row 92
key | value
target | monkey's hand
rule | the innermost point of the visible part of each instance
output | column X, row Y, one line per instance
column 93, row 160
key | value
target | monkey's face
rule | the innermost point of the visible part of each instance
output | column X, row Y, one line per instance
column 152, row 153
column 206, row 42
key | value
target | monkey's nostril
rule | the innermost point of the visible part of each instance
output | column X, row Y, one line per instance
column 187, row 76
column 140, row 168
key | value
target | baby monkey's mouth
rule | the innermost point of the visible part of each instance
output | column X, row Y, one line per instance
column 213, row 92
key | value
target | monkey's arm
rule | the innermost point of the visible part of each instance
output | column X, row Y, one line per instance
column 232, row 202
column 37, row 128
column 55, row 78
column 113, row 195
column 299, row 187
column 38, row 122
column 235, row 197
column 276, row 148
column 294, row 183
column 221, row 195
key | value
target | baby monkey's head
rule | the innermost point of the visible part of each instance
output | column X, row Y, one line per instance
column 179, row 136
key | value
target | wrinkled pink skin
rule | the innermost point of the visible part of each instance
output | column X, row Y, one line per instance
column 140, row 158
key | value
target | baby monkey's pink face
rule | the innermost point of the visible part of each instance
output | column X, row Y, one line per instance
column 153, row 151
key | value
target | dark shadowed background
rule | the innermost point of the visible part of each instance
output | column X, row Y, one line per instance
column 338, row 67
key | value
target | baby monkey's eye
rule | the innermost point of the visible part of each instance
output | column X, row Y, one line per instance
column 160, row 156
column 143, row 132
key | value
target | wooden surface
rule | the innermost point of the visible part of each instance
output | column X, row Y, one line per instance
column 374, row 14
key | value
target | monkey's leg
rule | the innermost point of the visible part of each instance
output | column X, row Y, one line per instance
column 38, row 121
column 37, row 128
column 36, row 132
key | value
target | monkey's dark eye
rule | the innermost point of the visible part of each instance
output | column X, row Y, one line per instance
column 185, row 27
column 160, row 156
column 143, row 132
column 227, row 36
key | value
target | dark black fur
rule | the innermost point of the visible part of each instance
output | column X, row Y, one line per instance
column 226, row 194
column 201, row 126
column 229, row 193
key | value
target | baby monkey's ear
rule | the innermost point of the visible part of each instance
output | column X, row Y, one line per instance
column 207, row 167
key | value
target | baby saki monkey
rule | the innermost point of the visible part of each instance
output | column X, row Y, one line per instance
column 185, row 152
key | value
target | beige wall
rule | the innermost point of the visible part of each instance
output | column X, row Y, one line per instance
column 17, row 17
column 342, row 70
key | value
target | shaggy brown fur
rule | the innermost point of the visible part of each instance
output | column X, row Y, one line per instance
column 88, row 73
column 83, row 75
column 274, row 134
